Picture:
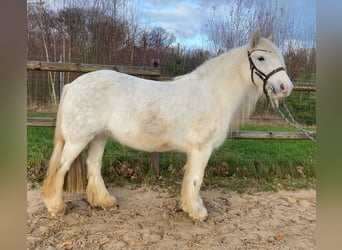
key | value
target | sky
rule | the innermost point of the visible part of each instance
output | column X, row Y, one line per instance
column 186, row 18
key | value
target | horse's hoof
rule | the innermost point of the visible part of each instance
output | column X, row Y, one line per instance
column 110, row 208
column 205, row 219
column 108, row 204
column 57, row 212
column 201, row 215
column 55, row 208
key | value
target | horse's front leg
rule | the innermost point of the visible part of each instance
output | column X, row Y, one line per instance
column 193, row 177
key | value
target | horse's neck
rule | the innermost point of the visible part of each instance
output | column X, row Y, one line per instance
column 225, row 68
column 226, row 75
column 227, row 78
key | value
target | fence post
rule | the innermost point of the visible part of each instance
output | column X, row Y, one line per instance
column 155, row 161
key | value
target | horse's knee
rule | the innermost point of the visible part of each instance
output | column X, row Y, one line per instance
column 93, row 168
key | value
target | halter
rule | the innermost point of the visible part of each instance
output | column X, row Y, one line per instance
column 257, row 71
column 269, row 92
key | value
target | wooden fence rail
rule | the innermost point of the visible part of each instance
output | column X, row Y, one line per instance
column 85, row 68
column 259, row 135
column 298, row 86
column 308, row 87
column 131, row 70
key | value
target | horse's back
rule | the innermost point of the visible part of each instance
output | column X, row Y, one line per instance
column 108, row 101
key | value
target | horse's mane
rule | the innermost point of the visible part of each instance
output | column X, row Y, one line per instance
column 245, row 110
column 209, row 64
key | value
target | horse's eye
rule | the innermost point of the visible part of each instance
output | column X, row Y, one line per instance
column 261, row 58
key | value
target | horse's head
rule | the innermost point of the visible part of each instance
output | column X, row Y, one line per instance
column 267, row 67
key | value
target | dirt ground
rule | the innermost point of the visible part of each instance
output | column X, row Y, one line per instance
column 150, row 219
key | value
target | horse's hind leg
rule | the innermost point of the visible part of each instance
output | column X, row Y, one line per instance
column 97, row 194
column 192, row 181
column 53, row 198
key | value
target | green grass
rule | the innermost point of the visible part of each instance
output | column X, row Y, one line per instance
column 242, row 165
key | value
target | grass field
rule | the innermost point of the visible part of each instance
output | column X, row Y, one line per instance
column 242, row 165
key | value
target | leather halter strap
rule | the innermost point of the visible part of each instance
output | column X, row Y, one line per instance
column 258, row 72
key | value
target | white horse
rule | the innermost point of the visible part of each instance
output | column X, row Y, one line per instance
column 191, row 114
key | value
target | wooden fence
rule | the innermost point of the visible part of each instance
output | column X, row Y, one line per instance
column 148, row 72
column 153, row 73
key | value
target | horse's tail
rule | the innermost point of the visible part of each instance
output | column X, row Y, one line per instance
column 55, row 161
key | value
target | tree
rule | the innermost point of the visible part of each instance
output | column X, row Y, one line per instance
column 160, row 39
column 232, row 26
column 44, row 23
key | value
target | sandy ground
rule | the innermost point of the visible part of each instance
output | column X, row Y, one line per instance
column 150, row 219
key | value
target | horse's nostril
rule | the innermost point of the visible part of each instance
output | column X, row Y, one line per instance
column 284, row 87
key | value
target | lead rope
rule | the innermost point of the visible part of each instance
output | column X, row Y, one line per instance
column 275, row 104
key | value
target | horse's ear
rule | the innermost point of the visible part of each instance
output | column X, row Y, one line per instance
column 254, row 39
column 271, row 37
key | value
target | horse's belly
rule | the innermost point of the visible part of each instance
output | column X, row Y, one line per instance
column 146, row 141
column 147, row 128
